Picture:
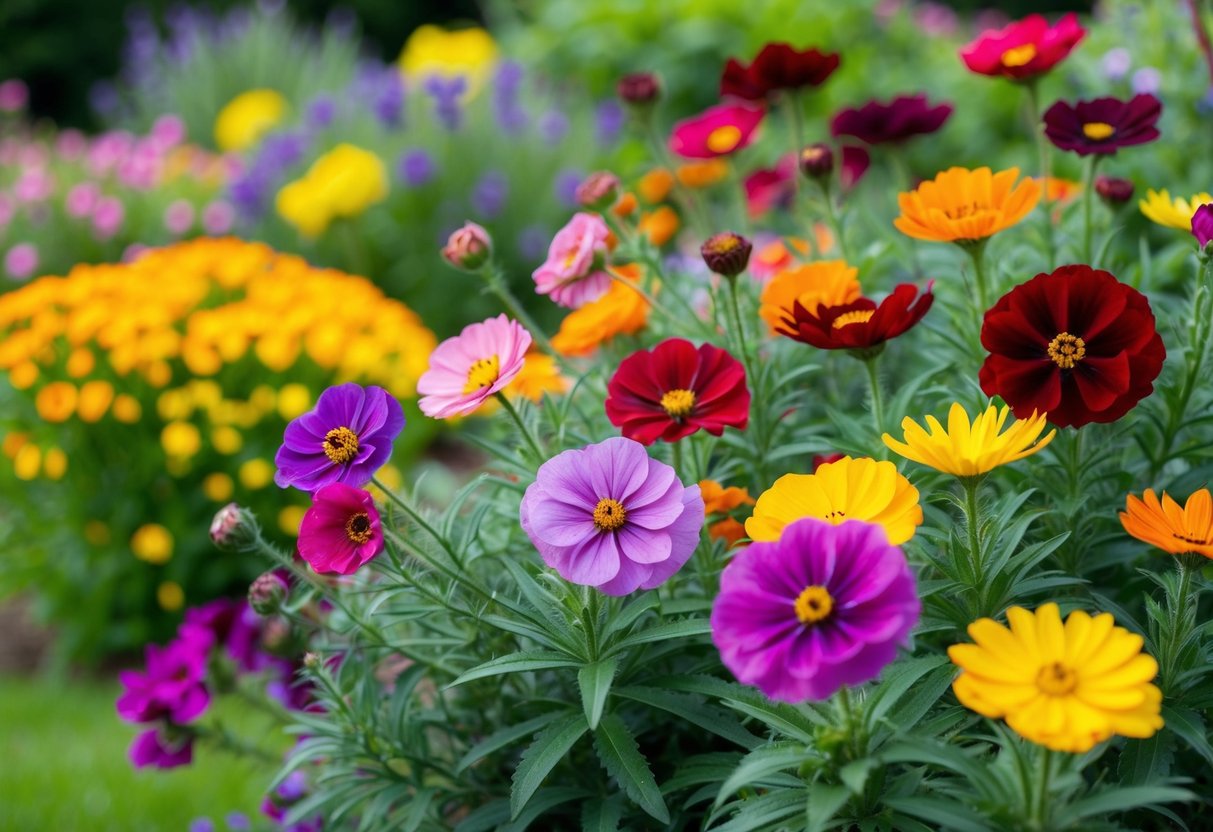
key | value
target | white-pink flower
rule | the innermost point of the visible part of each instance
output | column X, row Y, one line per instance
column 475, row 364
column 574, row 274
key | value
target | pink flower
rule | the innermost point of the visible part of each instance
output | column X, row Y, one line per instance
column 218, row 216
column 81, row 199
column 34, row 185
column 71, row 144
column 573, row 274
column 1024, row 49
column 14, row 95
column 107, row 217
column 7, row 210
column 475, row 364
column 167, row 132
column 768, row 188
column 717, row 131
column 179, row 217
column 341, row 531
column 468, row 247
column 21, row 260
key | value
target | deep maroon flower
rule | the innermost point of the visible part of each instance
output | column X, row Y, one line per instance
column 639, row 88
column 172, row 686
column 825, row 459
column 675, row 390
column 726, row 253
column 1076, row 344
column 902, row 118
column 855, row 163
column 817, row 161
column 1104, row 125
column 1024, row 49
column 1202, row 225
column 1113, row 190
column 777, row 67
column 152, row 748
column 861, row 324
column 341, row 531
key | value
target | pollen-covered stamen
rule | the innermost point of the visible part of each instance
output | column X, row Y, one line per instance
column 358, row 528
column 1097, row 131
column 678, row 403
column 609, row 515
column 1019, row 55
column 859, row 316
column 836, row 516
column 724, row 139
column 340, row 445
column 814, row 604
column 484, row 372
column 1055, row 679
column 1066, row 350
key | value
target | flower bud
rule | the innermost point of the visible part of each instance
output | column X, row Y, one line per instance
column 599, row 191
column 1113, row 191
column 267, row 593
column 817, row 161
column 639, row 88
column 312, row 660
column 726, row 253
column 468, row 248
column 1202, row 225
column 233, row 527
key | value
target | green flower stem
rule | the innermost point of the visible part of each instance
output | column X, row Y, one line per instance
column 1198, row 346
column 224, row 740
column 833, row 220
column 874, row 386
column 495, row 280
column 1180, row 625
column 1042, row 806
column 676, row 458
column 977, row 252
column 650, row 298
column 1042, row 145
column 738, row 328
column 1088, row 199
column 416, row 517
column 509, row 408
column 794, row 104
column 973, row 525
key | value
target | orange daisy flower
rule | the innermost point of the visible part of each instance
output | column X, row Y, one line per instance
column 825, row 282
column 961, row 205
column 719, row 500
column 621, row 311
column 1168, row 526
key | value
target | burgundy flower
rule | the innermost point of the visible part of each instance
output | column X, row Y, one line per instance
column 902, row 118
column 860, row 325
column 816, row 161
column 1104, row 125
column 855, row 163
column 1113, row 190
column 639, row 88
column 777, row 67
column 1024, row 49
column 1076, row 344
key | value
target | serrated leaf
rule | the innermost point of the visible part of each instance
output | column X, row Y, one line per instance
column 761, row 763
column 541, row 757
column 1190, row 728
column 595, row 683
column 822, row 805
column 621, row 757
column 500, row 739
column 516, row 663
column 759, row 812
column 601, row 815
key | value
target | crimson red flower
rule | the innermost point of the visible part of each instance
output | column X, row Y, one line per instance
column 1076, row 344
column 860, row 325
column 1104, row 125
column 778, row 66
column 675, row 390
column 902, row 118
column 1024, row 49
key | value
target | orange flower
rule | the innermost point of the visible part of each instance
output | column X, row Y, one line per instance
column 828, row 282
column 660, row 225
column 776, row 257
column 702, row 174
column 728, row 530
column 719, row 500
column 1061, row 190
column 961, row 205
column 655, row 185
column 621, row 311
column 1169, row 527
column 625, row 205
column 539, row 375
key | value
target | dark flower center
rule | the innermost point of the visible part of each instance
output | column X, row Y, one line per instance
column 358, row 528
column 1066, row 350
column 1055, row 679
column 340, row 445
column 814, row 604
column 678, row 403
column 609, row 515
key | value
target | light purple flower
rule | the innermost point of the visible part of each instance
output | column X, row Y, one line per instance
column 321, row 112
column 822, row 607
column 566, row 185
column 489, row 194
column 1146, row 80
column 218, row 216
column 416, row 167
column 237, row 822
column 202, row 825
column 1202, row 225
column 446, row 93
column 553, row 126
column 1116, row 63
column 21, row 261
column 179, row 217
column 609, row 118
column 108, row 215
column 611, row 517
column 81, row 199
column 152, row 749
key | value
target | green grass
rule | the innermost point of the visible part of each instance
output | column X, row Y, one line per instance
column 63, row 765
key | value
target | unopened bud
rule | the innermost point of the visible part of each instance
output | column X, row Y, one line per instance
column 726, row 253
column 639, row 88
column 468, row 248
column 599, row 191
column 817, row 161
column 1112, row 190
column 311, row 660
column 233, row 527
column 1202, row 226
column 267, row 593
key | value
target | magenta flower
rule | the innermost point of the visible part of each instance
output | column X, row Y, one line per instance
column 346, row 437
column 341, row 531
column 475, row 364
column 1104, row 125
column 172, row 686
column 21, row 261
column 573, row 275
column 1202, row 225
column 822, row 607
column 610, row 517
column 152, row 749
column 902, row 118
column 717, row 131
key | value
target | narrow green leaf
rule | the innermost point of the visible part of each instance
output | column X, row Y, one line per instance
column 661, row 632
column 1146, row 761
column 601, row 815
column 896, row 681
column 500, row 739
column 517, row 663
column 949, row 814
column 1190, row 728
column 854, row 775
column 688, row 707
column 761, row 763
column 620, row 755
column 762, row 811
column 541, row 757
column 823, row 804
column 595, row 683
column 543, row 800
column 1120, row 799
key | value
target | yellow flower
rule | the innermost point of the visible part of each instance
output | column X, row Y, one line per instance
column 342, row 183
column 1169, row 527
column 1066, row 686
column 825, row 282
column 94, row 400
column 127, row 409
column 293, row 400
column 152, row 543
column 961, row 205
column 181, row 439
column 621, row 311
column 256, row 473
column 27, row 461
column 969, row 450
column 80, row 362
column 14, row 442
column 849, row 489
column 539, row 374
column 247, row 117
column 56, row 401
column 226, row 439
column 218, row 487
column 290, row 518
column 54, row 463
column 1173, row 213
column 170, row 596
column 431, row 50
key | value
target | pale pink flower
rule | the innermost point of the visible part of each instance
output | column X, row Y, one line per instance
column 179, row 217
column 218, row 216
column 107, row 217
column 21, row 261
column 475, row 364
column 81, row 199
column 573, row 274
column 14, row 95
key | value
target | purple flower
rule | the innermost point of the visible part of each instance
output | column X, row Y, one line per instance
column 553, row 126
column 321, row 111
column 489, row 194
column 237, row 822
column 610, row 517
column 446, row 93
column 346, row 438
column 1146, row 80
column 566, row 185
column 416, row 167
column 609, row 119
column 822, row 607
column 902, row 118
column 152, row 749
column 388, row 100
column 1103, row 125
column 1202, row 225
column 202, row 825
column 173, row 685
column 509, row 113
column 1116, row 63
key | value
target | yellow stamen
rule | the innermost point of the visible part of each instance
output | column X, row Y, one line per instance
column 678, row 403
column 1066, row 350
column 483, row 373
column 814, row 604
column 1097, row 131
column 1056, row 679
column 358, row 528
column 609, row 515
column 1019, row 55
column 340, row 445
column 859, row 316
column 724, row 139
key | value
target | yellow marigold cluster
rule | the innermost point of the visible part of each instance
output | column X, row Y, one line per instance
column 342, row 183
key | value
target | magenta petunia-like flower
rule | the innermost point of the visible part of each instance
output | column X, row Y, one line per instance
column 1202, row 225
column 1104, row 125
column 822, row 607
column 1024, row 49
column 574, row 273
column 151, row 748
column 902, row 118
column 173, row 685
column 610, row 517
column 346, row 437
column 468, row 368
column 341, row 530
column 717, row 131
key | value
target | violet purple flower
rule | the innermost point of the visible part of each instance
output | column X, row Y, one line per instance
column 1202, row 225
column 416, row 167
column 489, row 195
column 446, row 93
column 151, row 748
column 173, row 685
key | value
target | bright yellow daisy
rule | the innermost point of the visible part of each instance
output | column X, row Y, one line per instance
column 968, row 449
column 1173, row 213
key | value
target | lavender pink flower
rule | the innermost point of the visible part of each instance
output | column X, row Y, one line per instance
column 341, row 530
column 172, row 686
column 573, row 275
column 21, row 260
column 468, row 368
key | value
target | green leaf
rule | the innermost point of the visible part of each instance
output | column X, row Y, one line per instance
column 595, row 683
column 910, row 708
column 1190, row 728
column 709, row 718
column 949, row 814
column 601, row 815
column 541, row 757
column 661, row 632
column 500, row 739
column 823, row 804
column 543, row 800
column 897, row 680
column 620, row 755
column 761, row 763
column 516, row 663
column 759, row 812
column 1120, row 799
column 854, row 775
column 1147, row 761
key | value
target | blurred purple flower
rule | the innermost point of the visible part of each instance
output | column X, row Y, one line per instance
column 202, row 825
column 566, row 184
column 321, row 111
column 510, row 115
column 1146, row 80
column 251, row 190
column 1116, row 63
column 446, row 93
column 553, row 126
column 14, row 95
column 533, row 242
column 21, row 261
column 609, row 119
column 151, row 749
column 935, row 19
column 103, row 98
column 415, row 167
column 489, row 194
column 237, row 822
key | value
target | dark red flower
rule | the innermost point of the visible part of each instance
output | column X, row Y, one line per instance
column 860, row 325
column 902, row 118
column 855, row 163
column 676, row 389
column 1023, row 49
column 1104, row 125
column 639, row 88
column 777, row 67
column 825, row 459
column 1113, row 190
column 770, row 188
column 1077, row 344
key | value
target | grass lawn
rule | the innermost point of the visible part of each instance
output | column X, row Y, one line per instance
column 63, row 766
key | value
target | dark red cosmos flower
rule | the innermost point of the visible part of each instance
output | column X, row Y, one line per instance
column 1023, row 49
column 860, row 325
column 902, row 118
column 1077, row 344
column 676, row 389
column 777, row 67
column 1104, row 125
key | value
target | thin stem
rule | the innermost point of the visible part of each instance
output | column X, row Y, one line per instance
column 973, row 524
column 977, row 252
column 526, row 432
column 739, row 329
column 1179, row 624
column 1042, row 811
column 1088, row 199
column 834, row 222
column 495, row 280
column 649, row 298
column 416, row 517
column 874, row 386
column 1042, row 147
column 1197, row 348
column 676, row 458
column 793, row 104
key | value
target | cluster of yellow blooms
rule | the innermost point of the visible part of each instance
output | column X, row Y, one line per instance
column 247, row 117
column 342, row 183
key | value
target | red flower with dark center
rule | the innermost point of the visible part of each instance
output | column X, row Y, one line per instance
column 675, row 390
column 1104, row 125
column 1024, row 49
column 1077, row 344
column 860, row 325
column 777, row 67
column 902, row 118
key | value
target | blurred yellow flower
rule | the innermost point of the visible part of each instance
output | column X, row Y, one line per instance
column 226, row 440
column 1159, row 207
column 256, row 473
column 13, row 442
column 293, row 400
column 54, row 463
column 432, row 50
column 153, row 543
column 967, row 450
column 247, row 117
column 23, row 376
column 181, row 439
column 127, row 409
column 80, row 362
column 94, row 400
column 342, row 183
column 170, row 596
column 27, row 461
column 56, row 402
column 218, row 487
column 290, row 518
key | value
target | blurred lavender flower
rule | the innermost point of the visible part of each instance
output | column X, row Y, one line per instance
column 511, row 116
column 321, row 111
column 237, row 822
column 609, row 119
column 533, row 242
column 489, row 195
column 202, row 825
column 446, row 93
column 936, row 19
column 103, row 98
column 388, row 102
column 566, row 184
column 1116, row 63
column 1146, row 80
column 415, row 167
column 553, row 126
column 250, row 191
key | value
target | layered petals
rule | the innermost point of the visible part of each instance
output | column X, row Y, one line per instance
column 778, row 66
column 1023, row 49
column 969, row 449
column 1104, row 125
column 468, row 368
column 812, row 285
column 900, row 119
column 1166, row 525
column 341, row 530
column 1177, row 212
column 961, row 205
column 861, row 324
column 574, row 274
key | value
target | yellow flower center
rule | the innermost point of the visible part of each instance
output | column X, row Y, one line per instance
column 1056, row 679
column 814, row 604
column 678, row 403
column 358, row 528
column 1097, row 131
column 722, row 243
column 483, row 373
column 1066, row 350
column 724, row 139
column 609, row 515
column 1019, row 55
column 340, row 445
column 859, row 316
column 812, row 155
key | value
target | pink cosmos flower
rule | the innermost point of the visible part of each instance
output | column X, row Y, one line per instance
column 21, row 261
column 70, row 144
column 107, row 217
column 14, row 95
column 475, row 364
column 1024, row 49
column 218, row 216
column 573, row 274
column 717, row 131
column 178, row 217
column 1202, row 225
column 81, row 199
column 341, row 531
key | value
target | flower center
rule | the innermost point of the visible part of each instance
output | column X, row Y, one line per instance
column 1097, row 131
column 814, row 604
column 722, row 244
column 1019, row 55
column 1056, row 679
column 340, row 445
column 1066, row 350
column 609, row 515
column 678, row 403
column 483, row 373
column 358, row 528
column 859, row 316
column 724, row 139
column 959, row 212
